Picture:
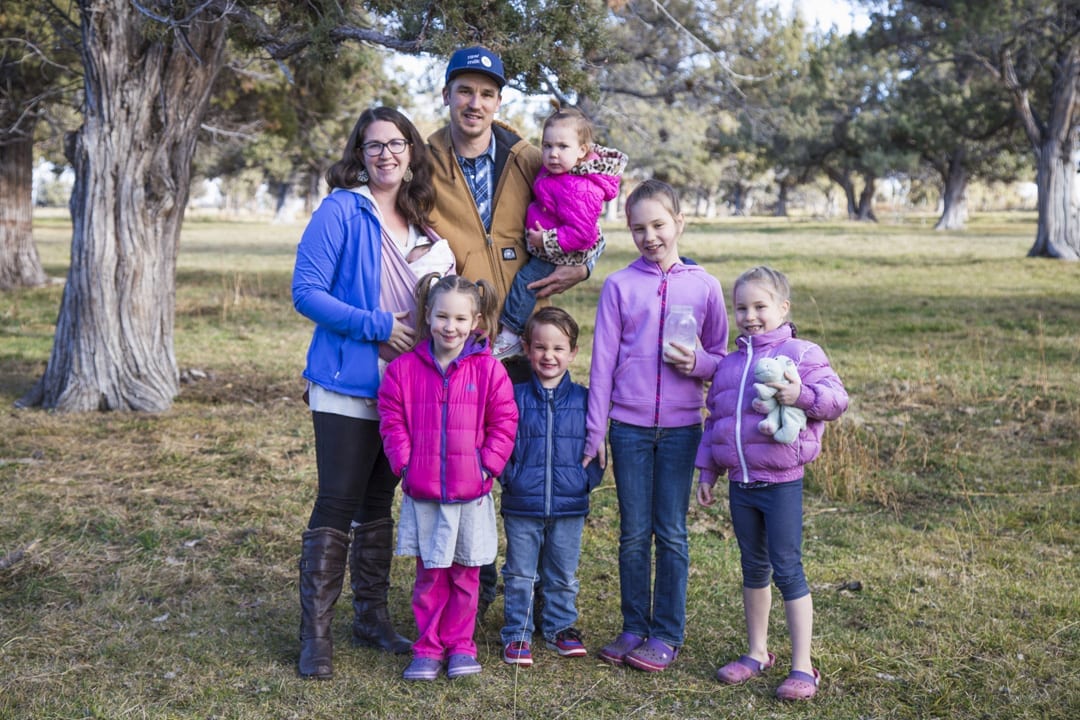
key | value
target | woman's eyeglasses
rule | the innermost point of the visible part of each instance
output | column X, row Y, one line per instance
column 375, row 148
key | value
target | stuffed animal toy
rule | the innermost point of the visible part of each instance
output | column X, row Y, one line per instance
column 782, row 422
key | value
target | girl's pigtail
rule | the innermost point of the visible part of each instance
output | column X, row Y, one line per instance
column 488, row 309
column 423, row 297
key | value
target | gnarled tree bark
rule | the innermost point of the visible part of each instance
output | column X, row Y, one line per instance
column 146, row 90
column 1056, row 152
column 954, row 194
column 20, row 264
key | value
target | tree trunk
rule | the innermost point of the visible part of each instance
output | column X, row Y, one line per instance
column 843, row 179
column 1057, row 235
column 866, row 200
column 1056, row 154
column 281, row 192
column 20, row 265
column 312, row 195
column 740, row 200
column 783, row 191
column 953, row 195
column 146, row 92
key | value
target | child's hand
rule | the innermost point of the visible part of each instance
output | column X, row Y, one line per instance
column 601, row 458
column 681, row 357
column 788, row 394
column 536, row 236
column 705, row 495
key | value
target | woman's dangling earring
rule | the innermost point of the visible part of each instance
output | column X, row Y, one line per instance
column 362, row 176
column 407, row 177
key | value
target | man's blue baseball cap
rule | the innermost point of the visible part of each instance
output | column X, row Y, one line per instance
column 478, row 60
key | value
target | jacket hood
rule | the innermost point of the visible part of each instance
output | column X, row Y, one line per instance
column 476, row 344
column 650, row 268
column 785, row 332
column 601, row 161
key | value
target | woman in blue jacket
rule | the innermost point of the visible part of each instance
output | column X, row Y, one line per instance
column 352, row 279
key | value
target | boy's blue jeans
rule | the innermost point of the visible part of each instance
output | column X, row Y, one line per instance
column 549, row 549
column 768, row 524
column 653, row 469
column 520, row 300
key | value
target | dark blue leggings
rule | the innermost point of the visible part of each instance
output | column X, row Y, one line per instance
column 768, row 525
column 355, row 479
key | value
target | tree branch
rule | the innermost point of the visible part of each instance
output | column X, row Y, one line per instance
column 715, row 55
column 1033, row 126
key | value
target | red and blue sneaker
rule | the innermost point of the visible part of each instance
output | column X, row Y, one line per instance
column 568, row 643
column 517, row 653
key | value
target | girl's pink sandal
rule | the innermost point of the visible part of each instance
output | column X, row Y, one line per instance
column 741, row 670
column 799, row 685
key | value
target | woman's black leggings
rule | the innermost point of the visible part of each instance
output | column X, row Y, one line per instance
column 354, row 474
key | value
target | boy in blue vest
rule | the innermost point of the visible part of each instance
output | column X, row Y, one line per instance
column 545, row 493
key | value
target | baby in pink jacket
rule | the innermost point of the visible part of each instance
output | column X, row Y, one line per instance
column 562, row 221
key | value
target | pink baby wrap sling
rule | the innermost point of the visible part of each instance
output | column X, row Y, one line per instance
column 398, row 281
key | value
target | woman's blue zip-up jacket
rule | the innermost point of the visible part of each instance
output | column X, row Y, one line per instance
column 544, row 477
column 336, row 284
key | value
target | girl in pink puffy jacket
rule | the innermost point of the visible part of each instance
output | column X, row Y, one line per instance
column 562, row 222
column 448, row 425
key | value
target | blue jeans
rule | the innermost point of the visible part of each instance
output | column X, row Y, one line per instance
column 553, row 547
column 768, row 526
column 520, row 300
column 653, row 469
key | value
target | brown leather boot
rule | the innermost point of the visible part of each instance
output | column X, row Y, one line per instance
column 322, row 572
column 369, row 572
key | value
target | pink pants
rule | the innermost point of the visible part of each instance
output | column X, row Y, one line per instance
column 444, row 603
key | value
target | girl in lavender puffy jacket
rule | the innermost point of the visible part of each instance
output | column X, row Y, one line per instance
column 765, row 476
column 562, row 222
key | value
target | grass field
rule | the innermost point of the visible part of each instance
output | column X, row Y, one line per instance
column 153, row 557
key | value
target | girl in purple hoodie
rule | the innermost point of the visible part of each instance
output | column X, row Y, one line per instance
column 576, row 179
column 649, row 402
column 765, row 476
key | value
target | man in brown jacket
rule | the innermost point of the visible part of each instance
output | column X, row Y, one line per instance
column 483, row 180
column 483, row 176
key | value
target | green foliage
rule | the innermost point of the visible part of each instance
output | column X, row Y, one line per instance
column 286, row 123
column 39, row 63
column 678, row 89
column 1022, row 46
column 544, row 45
column 290, row 119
